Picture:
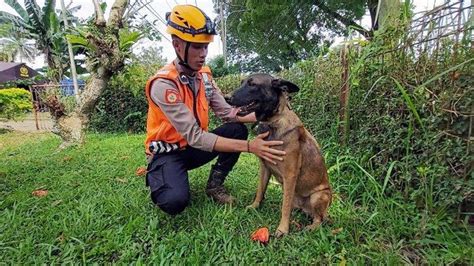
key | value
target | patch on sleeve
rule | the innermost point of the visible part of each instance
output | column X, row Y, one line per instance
column 173, row 96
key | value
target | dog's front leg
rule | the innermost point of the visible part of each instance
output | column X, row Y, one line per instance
column 262, row 186
column 288, row 194
column 289, row 183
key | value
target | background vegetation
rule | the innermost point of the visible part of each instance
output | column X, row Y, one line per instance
column 14, row 103
column 393, row 112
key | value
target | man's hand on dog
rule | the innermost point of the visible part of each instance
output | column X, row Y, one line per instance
column 264, row 150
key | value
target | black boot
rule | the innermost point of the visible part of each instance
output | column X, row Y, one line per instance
column 215, row 188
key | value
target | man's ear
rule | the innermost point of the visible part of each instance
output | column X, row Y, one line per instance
column 176, row 44
column 285, row 85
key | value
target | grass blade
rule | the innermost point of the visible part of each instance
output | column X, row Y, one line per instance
column 409, row 102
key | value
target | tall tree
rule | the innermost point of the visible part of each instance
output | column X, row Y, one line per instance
column 106, row 45
column 271, row 35
column 43, row 26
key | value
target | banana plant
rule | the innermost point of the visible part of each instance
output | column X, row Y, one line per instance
column 13, row 44
column 42, row 25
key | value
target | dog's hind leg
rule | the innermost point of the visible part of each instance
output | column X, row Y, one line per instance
column 319, row 203
column 262, row 186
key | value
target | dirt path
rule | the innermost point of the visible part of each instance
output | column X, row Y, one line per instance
column 28, row 124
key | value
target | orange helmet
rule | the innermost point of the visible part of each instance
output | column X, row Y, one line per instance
column 190, row 24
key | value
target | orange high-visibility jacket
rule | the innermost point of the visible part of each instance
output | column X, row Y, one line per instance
column 157, row 126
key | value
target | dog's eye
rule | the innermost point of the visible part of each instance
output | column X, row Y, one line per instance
column 250, row 82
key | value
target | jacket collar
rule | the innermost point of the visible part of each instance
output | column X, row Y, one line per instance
column 183, row 78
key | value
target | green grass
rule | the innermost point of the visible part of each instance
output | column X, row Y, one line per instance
column 98, row 211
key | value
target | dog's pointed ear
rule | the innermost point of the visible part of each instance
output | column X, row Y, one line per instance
column 285, row 85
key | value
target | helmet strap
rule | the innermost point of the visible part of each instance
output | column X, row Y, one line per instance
column 185, row 61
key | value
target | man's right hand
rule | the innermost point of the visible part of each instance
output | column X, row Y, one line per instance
column 264, row 150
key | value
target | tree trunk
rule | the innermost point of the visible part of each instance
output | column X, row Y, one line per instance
column 389, row 13
column 373, row 9
column 72, row 127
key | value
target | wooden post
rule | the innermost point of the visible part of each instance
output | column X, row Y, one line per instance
column 34, row 105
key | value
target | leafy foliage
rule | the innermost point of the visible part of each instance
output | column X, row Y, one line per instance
column 272, row 35
column 14, row 103
column 406, row 114
column 13, row 43
column 219, row 69
column 81, row 39
column 150, row 56
column 122, row 107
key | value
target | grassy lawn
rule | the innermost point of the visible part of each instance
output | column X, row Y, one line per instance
column 98, row 211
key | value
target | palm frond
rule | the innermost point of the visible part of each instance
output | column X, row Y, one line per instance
column 35, row 15
column 16, row 21
column 73, row 9
column 18, row 9
column 48, row 8
column 54, row 23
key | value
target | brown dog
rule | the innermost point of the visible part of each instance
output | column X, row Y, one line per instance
column 302, row 173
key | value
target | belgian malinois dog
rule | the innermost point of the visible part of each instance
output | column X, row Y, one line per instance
column 302, row 173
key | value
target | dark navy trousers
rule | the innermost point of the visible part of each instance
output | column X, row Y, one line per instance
column 167, row 174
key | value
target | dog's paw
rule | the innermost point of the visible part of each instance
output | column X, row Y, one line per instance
column 311, row 227
column 280, row 233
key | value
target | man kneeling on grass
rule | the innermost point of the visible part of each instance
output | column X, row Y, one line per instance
column 179, row 97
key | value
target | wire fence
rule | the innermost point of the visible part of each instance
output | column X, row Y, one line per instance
column 41, row 111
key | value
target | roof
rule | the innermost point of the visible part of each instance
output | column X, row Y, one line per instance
column 14, row 71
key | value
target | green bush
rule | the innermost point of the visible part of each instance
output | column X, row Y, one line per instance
column 122, row 107
column 409, row 117
column 14, row 103
column 229, row 83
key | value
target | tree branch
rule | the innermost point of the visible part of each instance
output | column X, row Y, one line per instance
column 116, row 13
column 99, row 15
column 349, row 23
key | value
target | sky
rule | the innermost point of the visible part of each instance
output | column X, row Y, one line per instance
column 161, row 7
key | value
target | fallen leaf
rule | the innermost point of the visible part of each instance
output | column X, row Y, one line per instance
column 125, row 157
column 40, row 193
column 261, row 235
column 140, row 171
column 67, row 158
column 122, row 180
column 56, row 203
column 455, row 75
column 61, row 238
column 336, row 231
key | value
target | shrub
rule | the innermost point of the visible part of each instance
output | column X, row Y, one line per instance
column 122, row 107
column 410, row 117
column 14, row 103
column 229, row 83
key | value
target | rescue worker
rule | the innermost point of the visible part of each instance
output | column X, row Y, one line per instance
column 179, row 97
